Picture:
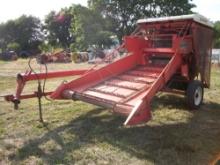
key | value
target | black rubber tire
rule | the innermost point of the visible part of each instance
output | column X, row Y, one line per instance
column 194, row 94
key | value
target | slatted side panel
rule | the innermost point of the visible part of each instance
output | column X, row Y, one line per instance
column 122, row 87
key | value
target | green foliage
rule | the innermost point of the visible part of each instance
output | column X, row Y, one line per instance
column 14, row 46
column 123, row 15
column 174, row 7
column 104, row 38
column 45, row 47
column 217, row 34
column 89, row 28
column 73, row 47
column 57, row 26
column 23, row 33
column 79, row 27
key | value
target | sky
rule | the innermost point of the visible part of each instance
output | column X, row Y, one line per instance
column 208, row 8
column 11, row 9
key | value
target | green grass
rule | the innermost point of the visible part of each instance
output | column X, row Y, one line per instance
column 76, row 132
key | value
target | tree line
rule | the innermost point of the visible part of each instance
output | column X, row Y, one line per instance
column 77, row 27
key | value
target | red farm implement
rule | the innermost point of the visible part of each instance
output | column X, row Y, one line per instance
column 170, row 54
column 58, row 57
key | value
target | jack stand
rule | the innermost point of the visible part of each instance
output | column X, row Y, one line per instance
column 16, row 103
column 39, row 96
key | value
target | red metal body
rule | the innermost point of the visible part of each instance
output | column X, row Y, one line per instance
column 29, row 76
column 162, row 56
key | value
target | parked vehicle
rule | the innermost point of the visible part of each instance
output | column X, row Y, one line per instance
column 9, row 56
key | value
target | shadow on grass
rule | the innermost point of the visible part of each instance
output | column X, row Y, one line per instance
column 169, row 101
column 179, row 143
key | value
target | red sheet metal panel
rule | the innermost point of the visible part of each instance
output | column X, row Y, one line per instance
column 113, row 90
column 97, row 76
column 126, row 84
column 139, row 79
column 102, row 96
column 143, row 74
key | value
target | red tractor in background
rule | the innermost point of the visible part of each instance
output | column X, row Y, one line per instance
column 170, row 54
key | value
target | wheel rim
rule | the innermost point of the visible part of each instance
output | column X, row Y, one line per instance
column 198, row 96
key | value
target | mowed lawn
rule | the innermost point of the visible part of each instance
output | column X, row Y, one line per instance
column 80, row 133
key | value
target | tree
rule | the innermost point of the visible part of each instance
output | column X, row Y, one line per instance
column 45, row 47
column 29, row 34
column 89, row 28
column 217, row 34
column 23, row 33
column 7, row 34
column 174, row 7
column 124, row 14
column 58, row 26
column 14, row 46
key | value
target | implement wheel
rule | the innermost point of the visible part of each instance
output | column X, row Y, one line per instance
column 194, row 94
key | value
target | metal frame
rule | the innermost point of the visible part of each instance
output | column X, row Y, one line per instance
column 160, row 51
